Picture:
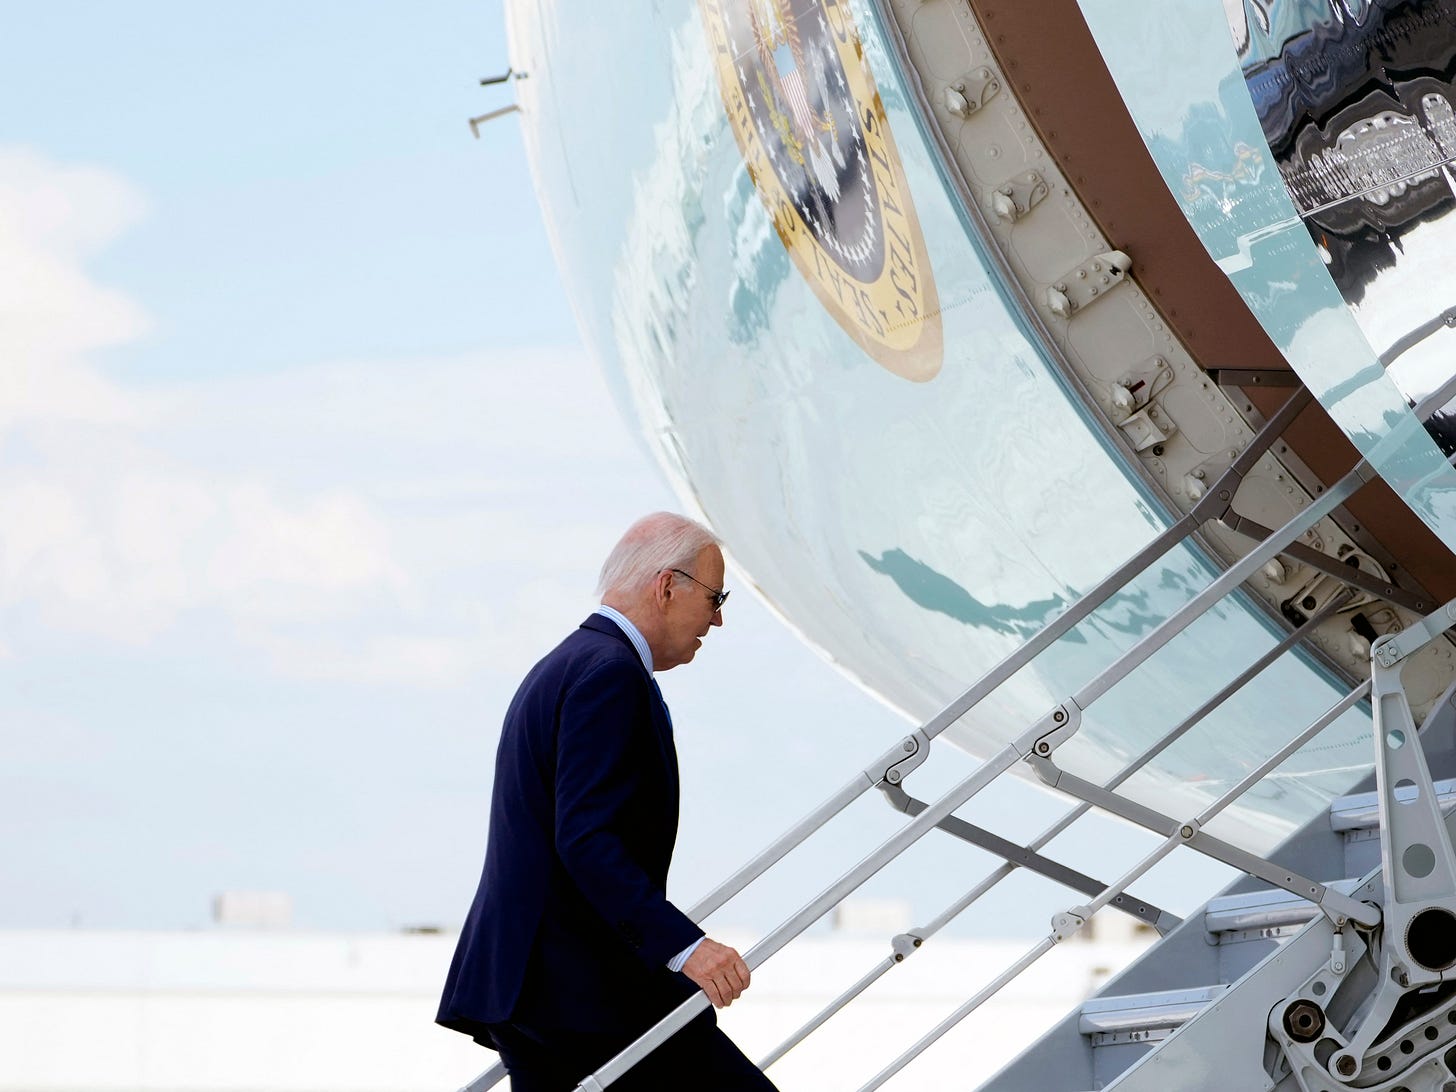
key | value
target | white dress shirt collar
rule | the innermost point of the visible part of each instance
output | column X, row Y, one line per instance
column 634, row 634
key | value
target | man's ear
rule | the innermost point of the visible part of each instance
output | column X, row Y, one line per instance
column 662, row 587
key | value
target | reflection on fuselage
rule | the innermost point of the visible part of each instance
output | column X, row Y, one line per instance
column 1270, row 161
column 1355, row 105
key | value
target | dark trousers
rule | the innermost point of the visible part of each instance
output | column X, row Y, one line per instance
column 698, row 1058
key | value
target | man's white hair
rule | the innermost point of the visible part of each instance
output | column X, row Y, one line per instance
column 661, row 541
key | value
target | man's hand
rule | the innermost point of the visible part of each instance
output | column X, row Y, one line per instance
column 719, row 970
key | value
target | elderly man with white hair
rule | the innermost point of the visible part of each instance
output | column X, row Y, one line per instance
column 572, row 949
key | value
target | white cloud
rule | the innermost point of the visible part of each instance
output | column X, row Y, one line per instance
column 333, row 544
column 51, row 219
column 394, row 521
column 417, row 661
column 104, row 531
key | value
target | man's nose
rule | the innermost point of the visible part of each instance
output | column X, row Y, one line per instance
column 717, row 617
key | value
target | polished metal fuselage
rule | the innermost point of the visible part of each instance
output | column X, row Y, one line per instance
column 768, row 250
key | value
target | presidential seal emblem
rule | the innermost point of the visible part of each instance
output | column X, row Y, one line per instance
column 803, row 104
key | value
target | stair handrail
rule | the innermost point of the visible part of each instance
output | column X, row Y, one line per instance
column 1039, row 738
column 906, row 944
column 912, row 750
column 1058, row 725
column 1068, row 923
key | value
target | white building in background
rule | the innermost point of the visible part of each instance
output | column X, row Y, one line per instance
column 270, row 1010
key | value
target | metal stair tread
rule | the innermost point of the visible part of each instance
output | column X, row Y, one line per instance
column 1145, row 1011
column 1361, row 810
column 1267, row 908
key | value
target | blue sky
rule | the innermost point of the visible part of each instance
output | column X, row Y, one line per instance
column 302, row 465
column 307, row 186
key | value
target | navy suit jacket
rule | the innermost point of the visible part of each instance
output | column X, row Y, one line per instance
column 571, row 928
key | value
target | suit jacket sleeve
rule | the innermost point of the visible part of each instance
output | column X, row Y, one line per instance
column 599, row 779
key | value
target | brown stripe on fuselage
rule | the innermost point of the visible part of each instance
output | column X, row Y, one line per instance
column 1051, row 64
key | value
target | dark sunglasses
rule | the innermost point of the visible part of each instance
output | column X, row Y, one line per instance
column 718, row 594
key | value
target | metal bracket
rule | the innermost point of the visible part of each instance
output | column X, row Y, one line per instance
column 1061, row 723
column 509, row 73
column 903, row 945
column 1397, row 646
column 963, row 97
column 1142, row 420
column 1139, row 386
column 1148, row 427
column 1195, row 484
column 477, row 122
column 1014, row 199
column 1085, row 284
column 1069, row 922
column 900, row 762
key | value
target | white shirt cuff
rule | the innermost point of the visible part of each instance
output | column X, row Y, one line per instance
column 677, row 962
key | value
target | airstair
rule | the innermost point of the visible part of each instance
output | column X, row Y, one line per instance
column 1330, row 964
